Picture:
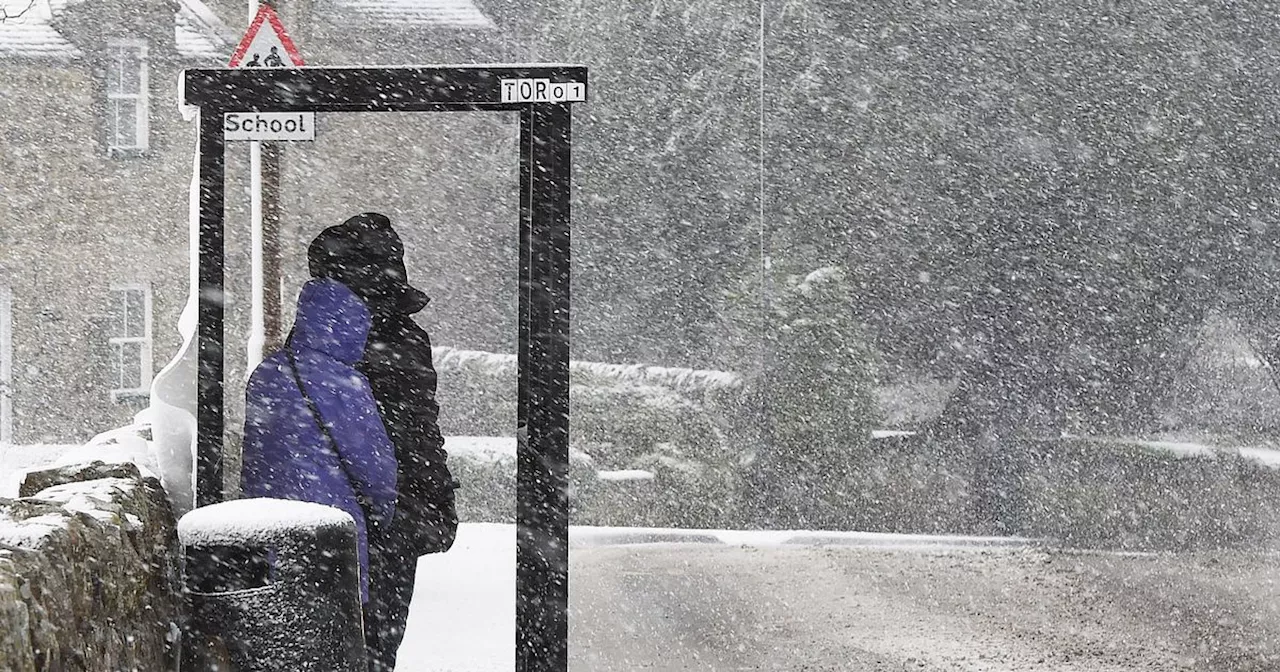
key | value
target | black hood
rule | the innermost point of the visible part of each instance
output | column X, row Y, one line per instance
column 365, row 254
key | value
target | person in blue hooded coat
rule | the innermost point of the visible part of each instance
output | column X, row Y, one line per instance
column 286, row 453
column 366, row 254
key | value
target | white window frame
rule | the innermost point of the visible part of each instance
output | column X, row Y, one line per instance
column 120, row 301
column 141, row 99
column 6, row 366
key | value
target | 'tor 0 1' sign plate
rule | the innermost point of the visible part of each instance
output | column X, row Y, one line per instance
column 542, row 91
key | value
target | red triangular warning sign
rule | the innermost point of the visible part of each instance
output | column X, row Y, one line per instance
column 266, row 48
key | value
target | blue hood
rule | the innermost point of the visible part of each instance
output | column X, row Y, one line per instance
column 331, row 319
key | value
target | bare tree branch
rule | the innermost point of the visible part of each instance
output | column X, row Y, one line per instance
column 5, row 15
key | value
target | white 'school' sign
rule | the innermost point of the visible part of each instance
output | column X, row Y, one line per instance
column 270, row 126
column 542, row 91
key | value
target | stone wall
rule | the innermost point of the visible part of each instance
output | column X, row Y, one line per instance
column 89, row 574
column 1069, row 493
column 1112, row 494
column 671, row 444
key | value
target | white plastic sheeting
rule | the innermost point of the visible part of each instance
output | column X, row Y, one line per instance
column 172, row 413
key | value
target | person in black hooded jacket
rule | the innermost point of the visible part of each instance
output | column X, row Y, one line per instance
column 365, row 254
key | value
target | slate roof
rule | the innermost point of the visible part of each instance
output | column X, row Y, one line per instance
column 198, row 33
column 411, row 13
column 31, row 34
column 194, row 43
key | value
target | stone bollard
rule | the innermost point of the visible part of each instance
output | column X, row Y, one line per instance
column 271, row 585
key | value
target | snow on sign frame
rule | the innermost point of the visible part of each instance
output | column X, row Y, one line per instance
column 542, row 507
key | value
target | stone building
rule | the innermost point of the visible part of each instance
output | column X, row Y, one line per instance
column 92, row 209
column 95, row 172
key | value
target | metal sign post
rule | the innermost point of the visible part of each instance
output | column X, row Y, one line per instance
column 542, row 94
column 262, row 45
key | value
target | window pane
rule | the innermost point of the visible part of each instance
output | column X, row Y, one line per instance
column 131, row 362
column 124, row 123
column 135, row 314
column 119, row 314
column 126, row 98
column 130, row 72
column 115, row 74
column 140, row 122
column 117, row 366
column 124, row 71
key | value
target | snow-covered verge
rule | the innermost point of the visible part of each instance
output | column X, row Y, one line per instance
column 1143, row 495
column 582, row 537
column 688, row 427
column 683, row 426
column 87, row 546
column 1266, row 455
column 502, row 364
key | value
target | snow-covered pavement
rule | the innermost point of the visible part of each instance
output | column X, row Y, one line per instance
column 873, row 602
column 463, row 614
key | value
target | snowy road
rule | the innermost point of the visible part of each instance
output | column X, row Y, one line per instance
column 698, row 606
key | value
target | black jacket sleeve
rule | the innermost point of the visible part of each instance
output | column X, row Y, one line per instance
column 402, row 375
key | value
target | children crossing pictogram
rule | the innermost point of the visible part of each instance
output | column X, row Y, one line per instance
column 266, row 48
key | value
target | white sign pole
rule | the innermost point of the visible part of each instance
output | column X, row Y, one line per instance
column 257, row 323
column 257, row 329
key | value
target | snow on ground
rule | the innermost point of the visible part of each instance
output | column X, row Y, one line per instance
column 668, row 607
column 463, row 614
column 625, row 475
column 580, row 537
column 1265, row 456
column 448, row 358
column 1178, row 448
column 481, row 448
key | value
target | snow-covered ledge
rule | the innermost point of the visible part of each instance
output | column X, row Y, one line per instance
column 89, row 574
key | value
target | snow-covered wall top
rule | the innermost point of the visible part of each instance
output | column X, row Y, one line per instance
column 683, row 379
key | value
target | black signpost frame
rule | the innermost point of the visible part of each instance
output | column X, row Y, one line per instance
column 542, row 515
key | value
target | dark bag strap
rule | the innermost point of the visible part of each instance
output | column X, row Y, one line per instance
column 365, row 505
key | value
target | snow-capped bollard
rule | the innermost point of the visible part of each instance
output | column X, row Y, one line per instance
column 272, row 585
